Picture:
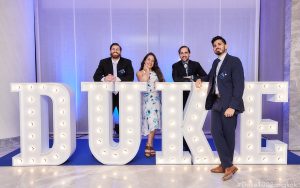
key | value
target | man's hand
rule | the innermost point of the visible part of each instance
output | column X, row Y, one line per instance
column 109, row 78
column 198, row 83
column 114, row 79
column 229, row 112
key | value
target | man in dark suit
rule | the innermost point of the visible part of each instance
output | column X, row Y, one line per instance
column 224, row 99
column 114, row 69
column 187, row 70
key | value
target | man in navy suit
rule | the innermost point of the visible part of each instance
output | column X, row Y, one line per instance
column 224, row 99
column 187, row 70
column 114, row 69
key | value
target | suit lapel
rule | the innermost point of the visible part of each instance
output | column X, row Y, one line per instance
column 215, row 65
column 181, row 67
column 191, row 68
column 223, row 64
column 119, row 65
column 212, row 77
column 110, row 66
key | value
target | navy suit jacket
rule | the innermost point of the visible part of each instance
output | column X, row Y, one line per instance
column 124, row 69
column 231, row 83
column 194, row 68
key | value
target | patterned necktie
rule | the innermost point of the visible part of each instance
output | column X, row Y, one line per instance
column 185, row 65
column 216, row 77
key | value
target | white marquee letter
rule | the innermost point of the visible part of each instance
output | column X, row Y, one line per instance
column 172, row 117
column 194, row 118
column 253, row 126
column 35, row 134
column 100, row 121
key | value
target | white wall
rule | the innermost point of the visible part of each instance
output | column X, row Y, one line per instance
column 294, row 111
column 73, row 35
column 17, row 59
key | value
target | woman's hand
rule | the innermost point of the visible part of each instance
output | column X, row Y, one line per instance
column 146, row 68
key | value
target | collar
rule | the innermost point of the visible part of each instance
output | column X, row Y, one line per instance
column 115, row 61
column 222, row 56
column 185, row 62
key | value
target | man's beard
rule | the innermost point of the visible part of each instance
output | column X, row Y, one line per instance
column 219, row 52
column 186, row 59
column 114, row 55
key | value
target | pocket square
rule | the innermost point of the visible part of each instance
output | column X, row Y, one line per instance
column 122, row 71
column 223, row 75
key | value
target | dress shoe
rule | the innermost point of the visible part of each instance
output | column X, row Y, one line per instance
column 218, row 169
column 229, row 172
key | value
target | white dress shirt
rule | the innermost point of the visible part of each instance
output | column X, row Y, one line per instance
column 221, row 58
column 115, row 70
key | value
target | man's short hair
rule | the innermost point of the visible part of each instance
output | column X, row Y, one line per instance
column 115, row 44
column 184, row 47
column 218, row 38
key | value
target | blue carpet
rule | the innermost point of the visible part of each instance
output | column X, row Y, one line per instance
column 83, row 155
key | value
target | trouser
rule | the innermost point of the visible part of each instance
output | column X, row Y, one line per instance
column 185, row 97
column 115, row 103
column 223, row 133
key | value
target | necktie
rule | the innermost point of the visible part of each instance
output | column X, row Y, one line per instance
column 115, row 72
column 216, row 77
column 185, row 65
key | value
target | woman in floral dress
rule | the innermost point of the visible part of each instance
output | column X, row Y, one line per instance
column 151, row 103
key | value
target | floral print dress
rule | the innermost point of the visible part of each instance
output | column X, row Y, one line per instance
column 151, row 108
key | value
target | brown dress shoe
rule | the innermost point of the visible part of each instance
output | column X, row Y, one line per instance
column 229, row 172
column 218, row 169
